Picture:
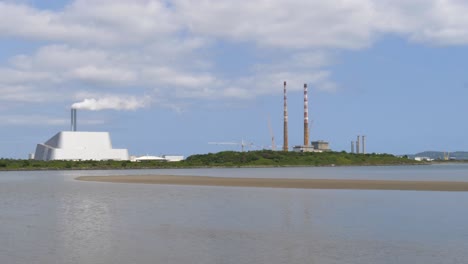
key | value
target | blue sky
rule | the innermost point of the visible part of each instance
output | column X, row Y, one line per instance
column 167, row 77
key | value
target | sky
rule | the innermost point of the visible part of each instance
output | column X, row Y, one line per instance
column 170, row 76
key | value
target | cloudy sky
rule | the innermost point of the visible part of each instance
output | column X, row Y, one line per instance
column 169, row 76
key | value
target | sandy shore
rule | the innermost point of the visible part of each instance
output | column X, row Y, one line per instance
column 285, row 183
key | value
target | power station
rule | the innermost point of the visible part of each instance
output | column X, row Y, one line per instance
column 78, row 145
column 358, row 146
column 314, row 146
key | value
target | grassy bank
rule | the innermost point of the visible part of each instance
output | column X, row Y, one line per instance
column 279, row 158
column 262, row 158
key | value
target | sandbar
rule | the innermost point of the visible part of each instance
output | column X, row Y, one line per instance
column 345, row 184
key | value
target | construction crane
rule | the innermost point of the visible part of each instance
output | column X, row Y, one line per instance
column 243, row 144
column 273, row 145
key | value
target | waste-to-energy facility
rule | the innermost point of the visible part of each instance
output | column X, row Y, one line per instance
column 78, row 145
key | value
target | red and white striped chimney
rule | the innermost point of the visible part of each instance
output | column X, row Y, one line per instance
column 306, row 117
column 285, row 125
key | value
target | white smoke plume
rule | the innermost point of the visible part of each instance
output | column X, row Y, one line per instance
column 112, row 103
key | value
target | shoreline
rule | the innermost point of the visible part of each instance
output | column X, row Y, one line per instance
column 342, row 184
column 210, row 167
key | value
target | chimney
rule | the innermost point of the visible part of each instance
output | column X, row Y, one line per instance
column 73, row 119
column 306, row 117
column 363, row 144
column 285, row 125
column 357, row 145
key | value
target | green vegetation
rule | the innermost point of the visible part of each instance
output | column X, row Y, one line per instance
column 283, row 159
column 264, row 158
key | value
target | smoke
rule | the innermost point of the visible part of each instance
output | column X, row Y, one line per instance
column 112, row 103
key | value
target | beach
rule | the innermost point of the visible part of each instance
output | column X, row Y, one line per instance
column 346, row 184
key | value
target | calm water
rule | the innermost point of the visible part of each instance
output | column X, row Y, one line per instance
column 47, row 217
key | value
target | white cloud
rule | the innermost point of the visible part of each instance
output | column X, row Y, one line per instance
column 347, row 24
column 22, row 93
column 163, row 48
column 166, row 75
column 25, row 21
column 311, row 59
column 436, row 22
column 90, row 22
column 448, row 24
column 13, row 76
column 142, row 18
column 289, row 24
column 237, row 92
column 92, row 73
column 63, row 56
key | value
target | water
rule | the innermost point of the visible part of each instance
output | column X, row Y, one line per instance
column 48, row 217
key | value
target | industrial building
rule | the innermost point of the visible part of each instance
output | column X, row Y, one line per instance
column 304, row 148
column 172, row 158
column 164, row 158
column 146, row 158
column 72, row 145
column 317, row 146
column 321, row 145
column 77, row 145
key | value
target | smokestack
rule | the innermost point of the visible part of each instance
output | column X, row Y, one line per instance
column 306, row 117
column 285, row 125
column 73, row 119
column 352, row 146
column 357, row 145
column 363, row 144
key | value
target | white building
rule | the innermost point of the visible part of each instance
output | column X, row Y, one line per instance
column 73, row 145
column 171, row 158
column 423, row 159
column 148, row 158
column 303, row 148
column 156, row 158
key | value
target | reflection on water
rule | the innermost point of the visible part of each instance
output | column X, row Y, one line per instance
column 47, row 217
column 85, row 227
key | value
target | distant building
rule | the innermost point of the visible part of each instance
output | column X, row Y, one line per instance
column 321, row 145
column 423, row 159
column 303, row 148
column 156, row 158
column 147, row 158
column 173, row 158
column 72, row 145
column 316, row 146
